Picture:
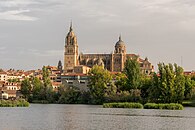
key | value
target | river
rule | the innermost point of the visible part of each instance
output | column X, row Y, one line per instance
column 89, row 117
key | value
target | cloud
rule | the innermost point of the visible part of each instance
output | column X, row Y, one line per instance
column 16, row 15
column 24, row 9
column 45, row 53
column 16, row 10
column 17, row 3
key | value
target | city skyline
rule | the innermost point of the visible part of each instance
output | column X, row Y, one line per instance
column 33, row 31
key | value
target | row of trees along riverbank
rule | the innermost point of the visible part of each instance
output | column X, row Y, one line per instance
column 169, row 85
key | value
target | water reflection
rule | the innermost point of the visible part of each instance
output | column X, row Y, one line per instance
column 89, row 117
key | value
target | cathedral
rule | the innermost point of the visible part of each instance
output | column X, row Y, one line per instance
column 75, row 62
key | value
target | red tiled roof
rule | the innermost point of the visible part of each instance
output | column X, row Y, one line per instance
column 56, row 83
column 3, row 72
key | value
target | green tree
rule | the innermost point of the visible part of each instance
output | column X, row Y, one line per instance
column 26, row 88
column 154, row 91
column 179, row 84
column 69, row 95
column 170, row 78
column 121, row 81
column 133, row 73
column 37, row 85
column 46, row 92
column 169, row 86
column 188, row 87
column 146, row 84
column 46, row 78
column 99, row 79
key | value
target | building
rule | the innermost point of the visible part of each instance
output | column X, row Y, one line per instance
column 114, row 62
column 3, row 76
column 10, row 90
column 75, row 80
column 81, row 69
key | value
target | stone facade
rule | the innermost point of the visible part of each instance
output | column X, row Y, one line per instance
column 113, row 62
column 71, row 51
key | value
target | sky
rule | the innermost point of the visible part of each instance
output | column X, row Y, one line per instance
column 32, row 32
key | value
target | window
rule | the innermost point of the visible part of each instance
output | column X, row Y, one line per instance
column 70, row 82
column 82, row 82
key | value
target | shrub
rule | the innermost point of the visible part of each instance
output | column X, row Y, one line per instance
column 170, row 106
column 123, row 105
column 151, row 106
column 14, row 103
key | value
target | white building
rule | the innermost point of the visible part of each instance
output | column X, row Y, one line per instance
column 3, row 76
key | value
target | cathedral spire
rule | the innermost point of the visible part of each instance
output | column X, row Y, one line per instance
column 71, row 25
column 120, row 39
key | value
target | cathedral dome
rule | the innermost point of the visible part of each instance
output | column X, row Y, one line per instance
column 120, row 43
column 120, row 46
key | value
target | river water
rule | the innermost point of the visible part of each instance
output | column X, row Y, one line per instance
column 89, row 117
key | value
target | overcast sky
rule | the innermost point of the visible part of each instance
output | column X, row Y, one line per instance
column 32, row 32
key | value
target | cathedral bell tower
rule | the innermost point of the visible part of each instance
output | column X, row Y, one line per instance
column 119, row 56
column 71, row 51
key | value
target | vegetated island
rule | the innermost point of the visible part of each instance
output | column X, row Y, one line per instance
column 14, row 103
column 168, row 106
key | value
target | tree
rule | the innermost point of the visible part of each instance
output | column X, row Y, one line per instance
column 46, row 91
column 99, row 79
column 46, row 78
column 26, row 88
column 146, row 84
column 133, row 73
column 188, row 87
column 154, row 91
column 37, row 85
column 121, row 81
column 69, row 95
column 179, row 84
column 170, row 78
column 169, row 85
column 15, row 80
